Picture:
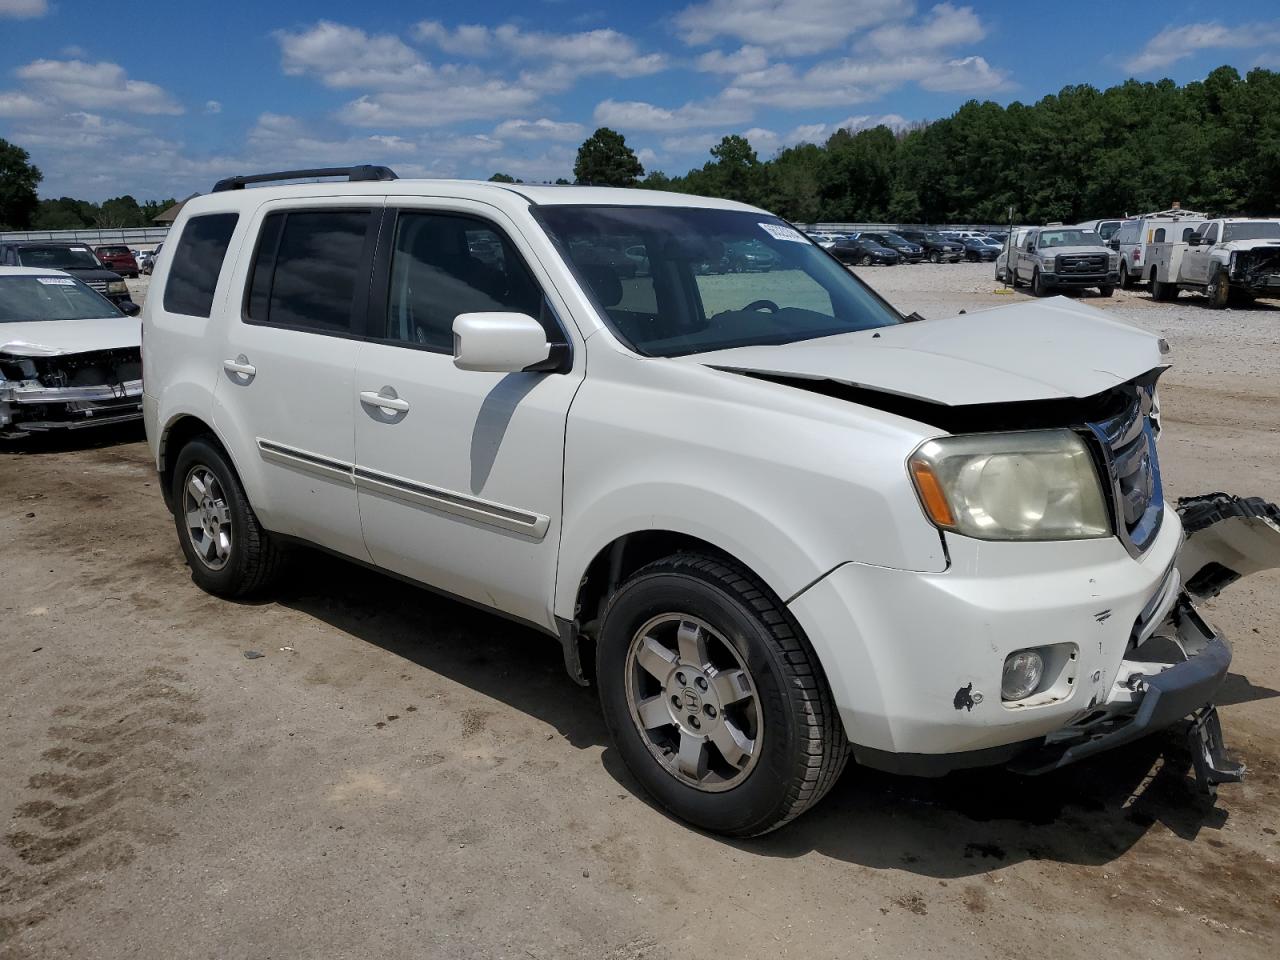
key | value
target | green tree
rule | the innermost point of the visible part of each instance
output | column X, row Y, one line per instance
column 19, row 178
column 502, row 178
column 604, row 159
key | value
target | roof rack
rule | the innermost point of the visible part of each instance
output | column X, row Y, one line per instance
column 363, row 172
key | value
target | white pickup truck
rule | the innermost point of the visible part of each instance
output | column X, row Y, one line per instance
column 1225, row 259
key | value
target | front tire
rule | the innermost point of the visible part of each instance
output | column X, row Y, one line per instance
column 1126, row 281
column 1106, row 291
column 230, row 553
column 1037, row 285
column 716, row 701
column 1218, row 291
column 935, row 257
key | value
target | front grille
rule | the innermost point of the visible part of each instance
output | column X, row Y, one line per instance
column 99, row 285
column 1070, row 263
column 1131, row 469
column 90, row 369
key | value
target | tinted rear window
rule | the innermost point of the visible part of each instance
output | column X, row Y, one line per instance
column 305, row 269
column 197, row 261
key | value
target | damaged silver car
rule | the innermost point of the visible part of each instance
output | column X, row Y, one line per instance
column 68, row 356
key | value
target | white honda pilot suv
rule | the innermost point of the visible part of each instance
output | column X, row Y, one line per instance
column 774, row 520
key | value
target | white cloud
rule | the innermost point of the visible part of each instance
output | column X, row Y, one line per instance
column 945, row 26
column 90, row 86
column 212, row 106
column 468, row 40
column 786, row 26
column 743, row 59
column 1177, row 43
column 23, row 9
column 834, row 83
column 965, row 75
column 343, row 57
column 541, row 129
column 74, row 131
column 439, row 106
column 637, row 115
column 15, row 103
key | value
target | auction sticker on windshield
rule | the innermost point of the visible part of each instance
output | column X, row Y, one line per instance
column 779, row 232
column 57, row 281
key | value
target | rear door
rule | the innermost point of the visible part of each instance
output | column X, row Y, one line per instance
column 459, row 472
column 285, row 399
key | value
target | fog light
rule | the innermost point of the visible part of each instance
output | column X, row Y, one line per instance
column 1022, row 672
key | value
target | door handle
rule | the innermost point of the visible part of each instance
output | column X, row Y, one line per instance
column 240, row 366
column 386, row 399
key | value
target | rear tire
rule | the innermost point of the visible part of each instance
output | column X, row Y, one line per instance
column 230, row 553
column 695, row 652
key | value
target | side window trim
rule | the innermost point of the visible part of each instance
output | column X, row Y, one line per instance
column 364, row 266
column 380, row 282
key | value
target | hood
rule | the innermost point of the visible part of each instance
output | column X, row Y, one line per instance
column 1238, row 245
column 51, row 338
column 1043, row 350
column 91, row 273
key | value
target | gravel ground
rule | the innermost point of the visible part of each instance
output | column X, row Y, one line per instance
column 401, row 776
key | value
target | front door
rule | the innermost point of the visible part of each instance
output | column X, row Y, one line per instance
column 1195, row 259
column 459, row 473
column 285, row 400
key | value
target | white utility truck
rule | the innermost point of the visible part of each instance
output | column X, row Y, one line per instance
column 1225, row 259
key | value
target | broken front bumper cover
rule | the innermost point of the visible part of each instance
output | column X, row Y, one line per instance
column 1167, row 693
column 28, row 406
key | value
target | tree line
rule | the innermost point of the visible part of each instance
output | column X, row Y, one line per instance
column 1075, row 155
column 1079, row 154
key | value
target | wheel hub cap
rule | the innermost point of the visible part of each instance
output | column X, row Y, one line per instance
column 208, row 518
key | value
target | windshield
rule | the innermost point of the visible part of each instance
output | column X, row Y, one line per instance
column 26, row 298
column 1068, row 238
column 57, row 257
column 1254, row 230
column 697, row 292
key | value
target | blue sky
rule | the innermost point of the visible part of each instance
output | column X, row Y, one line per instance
column 161, row 100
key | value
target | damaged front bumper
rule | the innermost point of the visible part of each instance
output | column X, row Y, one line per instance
column 27, row 406
column 915, row 660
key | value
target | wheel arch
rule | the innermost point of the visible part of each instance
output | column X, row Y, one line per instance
column 610, row 565
column 180, row 430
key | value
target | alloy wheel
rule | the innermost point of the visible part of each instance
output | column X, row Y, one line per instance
column 693, row 701
column 208, row 518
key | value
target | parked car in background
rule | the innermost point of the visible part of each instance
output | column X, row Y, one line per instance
column 75, row 258
column 978, row 249
column 908, row 250
column 1003, row 274
column 1051, row 258
column 1135, row 237
column 1106, row 229
column 750, row 256
column 864, row 251
column 825, row 240
column 119, row 258
column 1226, row 259
column 68, row 356
column 697, row 489
column 936, row 247
column 149, row 263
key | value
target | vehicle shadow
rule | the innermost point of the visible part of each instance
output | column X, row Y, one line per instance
column 965, row 824
column 66, row 441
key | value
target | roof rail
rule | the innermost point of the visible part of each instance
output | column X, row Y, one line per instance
column 363, row 172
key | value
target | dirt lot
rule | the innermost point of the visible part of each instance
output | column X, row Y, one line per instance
column 401, row 776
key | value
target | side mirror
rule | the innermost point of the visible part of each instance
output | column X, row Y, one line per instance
column 1113, row 243
column 130, row 309
column 498, row 342
column 1193, row 240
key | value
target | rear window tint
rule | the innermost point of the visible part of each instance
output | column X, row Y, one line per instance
column 305, row 269
column 197, row 261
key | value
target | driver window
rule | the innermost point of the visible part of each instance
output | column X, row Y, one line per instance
column 445, row 265
column 1211, row 235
